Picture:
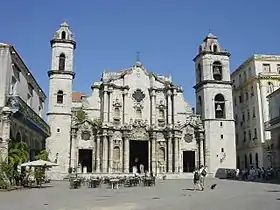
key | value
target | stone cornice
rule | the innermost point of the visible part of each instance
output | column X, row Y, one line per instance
column 52, row 72
column 224, row 53
column 261, row 76
column 197, row 86
column 101, row 86
column 58, row 113
column 53, row 41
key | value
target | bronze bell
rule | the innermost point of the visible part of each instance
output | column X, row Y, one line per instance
column 219, row 108
column 216, row 71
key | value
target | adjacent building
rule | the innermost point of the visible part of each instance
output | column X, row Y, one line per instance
column 144, row 118
column 252, row 82
column 21, row 104
column 273, row 125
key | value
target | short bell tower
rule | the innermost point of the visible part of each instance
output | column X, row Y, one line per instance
column 59, row 114
column 214, row 104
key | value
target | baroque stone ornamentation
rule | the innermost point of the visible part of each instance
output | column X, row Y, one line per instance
column 188, row 137
column 138, row 95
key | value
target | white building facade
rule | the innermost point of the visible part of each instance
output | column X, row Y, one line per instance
column 144, row 120
column 273, row 125
column 253, row 81
column 21, row 104
column 214, row 104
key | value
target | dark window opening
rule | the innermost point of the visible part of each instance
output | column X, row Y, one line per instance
column 59, row 97
column 63, row 35
column 219, row 106
column 61, row 65
column 217, row 70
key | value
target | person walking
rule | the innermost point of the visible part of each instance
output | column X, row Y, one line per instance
column 203, row 174
column 196, row 178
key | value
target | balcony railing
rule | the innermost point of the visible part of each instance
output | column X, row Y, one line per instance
column 17, row 105
column 271, row 123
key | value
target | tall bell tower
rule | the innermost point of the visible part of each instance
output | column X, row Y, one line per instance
column 59, row 113
column 214, row 104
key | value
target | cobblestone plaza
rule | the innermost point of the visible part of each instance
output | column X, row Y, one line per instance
column 169, row 194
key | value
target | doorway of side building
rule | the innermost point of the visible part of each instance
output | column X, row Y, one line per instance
column 85, row 159
column 139, row 154
column 188, row 161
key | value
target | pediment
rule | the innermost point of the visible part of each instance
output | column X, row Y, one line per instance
column 84, row 125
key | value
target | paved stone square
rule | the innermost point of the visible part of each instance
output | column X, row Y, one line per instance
column 168, row 194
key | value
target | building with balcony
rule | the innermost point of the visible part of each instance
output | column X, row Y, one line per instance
column 21, row 104
column 273, row 125
column 253, row 81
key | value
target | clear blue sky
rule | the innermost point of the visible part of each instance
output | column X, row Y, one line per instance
column 166, row 32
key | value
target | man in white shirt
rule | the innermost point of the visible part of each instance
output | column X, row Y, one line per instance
column 203, row 174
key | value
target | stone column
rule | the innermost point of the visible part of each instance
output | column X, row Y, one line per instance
column 98, row 154
column 105, row 105
column 125, row 106
column 169, row 108
column 73, row 148
column 169, row 147
column 201, row 149
column 6, row 125
column 154, row 163
column 105, row 154
column 126, row 154
column 153, row 104
column 175, row 118
column 180, row 168
column 111, row 148
column 110, row 104
column 175, row 153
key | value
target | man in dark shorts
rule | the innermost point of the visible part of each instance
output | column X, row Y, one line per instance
column 196, row 178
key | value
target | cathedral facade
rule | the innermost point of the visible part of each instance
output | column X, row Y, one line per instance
column 133, row 119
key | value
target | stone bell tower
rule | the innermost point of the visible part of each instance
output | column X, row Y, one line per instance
column 59, row 113
column 214, row 104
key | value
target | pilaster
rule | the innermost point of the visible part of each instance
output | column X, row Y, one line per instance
column 153, row 104
column 105, row 153
column 110, row 104
column 169, row 156
column 105, row 104
column 111, row 149
column 153, row 141
column 169, row 107
column 6, row 124
column 125, row 105
column 98, row 154
column 126, row 153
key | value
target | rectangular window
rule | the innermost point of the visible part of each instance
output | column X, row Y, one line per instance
column 278, row 68
column 248, row 114
column 255, row 133
column 266, row 67
column 244, row 136
column 249, row 72
column 240, row 99
column 252, row 91
column 13, row 88
column 245, row 76
column 243, row 116
column 250, row 135
column 247, row 96
column 235, row 103
column 254, row 112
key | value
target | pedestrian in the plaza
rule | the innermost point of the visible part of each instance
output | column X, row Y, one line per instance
column 203, row 174
column 196, row 178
